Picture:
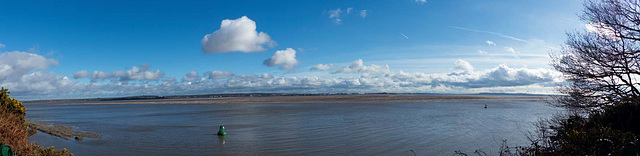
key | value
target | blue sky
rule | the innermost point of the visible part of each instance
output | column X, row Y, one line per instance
column 436, row 39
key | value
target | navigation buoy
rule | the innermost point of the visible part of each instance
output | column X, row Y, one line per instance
column 221, row 131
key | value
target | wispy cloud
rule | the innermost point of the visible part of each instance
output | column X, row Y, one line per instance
column 490, row 32
column 491, row 43
column 338, row 14
column 335, row 15
column 513, row 51
column 363, row 13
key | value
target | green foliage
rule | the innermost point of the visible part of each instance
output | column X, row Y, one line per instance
column 51, row 151
column 11, row 105
column 600, row 133
column 580, row 136
column 621, row 116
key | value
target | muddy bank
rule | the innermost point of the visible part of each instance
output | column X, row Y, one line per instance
column 63, row 131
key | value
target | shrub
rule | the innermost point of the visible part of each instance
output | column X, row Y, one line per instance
column 598, row 133
column 14, row 132
column 11, row 105
column 52, row 152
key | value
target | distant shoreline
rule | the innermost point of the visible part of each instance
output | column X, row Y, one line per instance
column 148, row 97
column 289, row 98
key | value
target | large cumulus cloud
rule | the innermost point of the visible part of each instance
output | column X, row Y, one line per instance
column 26, row 74
column 236, row 35
column 13, row 65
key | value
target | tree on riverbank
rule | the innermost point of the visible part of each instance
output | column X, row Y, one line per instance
column 602, row 65
column 602, row 69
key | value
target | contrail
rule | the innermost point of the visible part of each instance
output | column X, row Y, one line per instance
column 489, row 32
column 405, row 36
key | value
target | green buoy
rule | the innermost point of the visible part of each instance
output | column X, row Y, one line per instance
column 221, row 131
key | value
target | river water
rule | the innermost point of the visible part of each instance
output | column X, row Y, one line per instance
column 427, row 128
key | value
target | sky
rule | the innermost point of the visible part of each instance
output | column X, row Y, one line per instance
column 86, row 49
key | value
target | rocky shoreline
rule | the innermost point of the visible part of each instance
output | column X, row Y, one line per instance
column 63, row 131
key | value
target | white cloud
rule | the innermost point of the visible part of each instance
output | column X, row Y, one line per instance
column 214, row 75
column 335, row 15
column 81, row 74
column 499, row 79
column 141, row 73
column 513, row 51
column 510, row 49
column 491, row 43
column 286, row 59
column 482, row 52
column 421, row 1
column 359, row 67
column 191, row 77
column 338, row 14
column 363, row 13
column 321, row 67
column 40, row 83
column 25, row 74
column 15, row 64
column 236, row 35
column 506, row 76
column 463, row 66
column 30, row 80
column 602, row 30
column 2, row 46
column 135, row 73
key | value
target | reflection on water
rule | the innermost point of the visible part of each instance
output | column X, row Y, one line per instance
column 221, row 138
column 426, row 128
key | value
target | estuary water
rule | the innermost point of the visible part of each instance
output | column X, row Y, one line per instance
column 427, row 128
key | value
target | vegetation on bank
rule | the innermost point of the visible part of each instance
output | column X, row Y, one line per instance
column 602, row 88
column 602, row 71
column 15, row 132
